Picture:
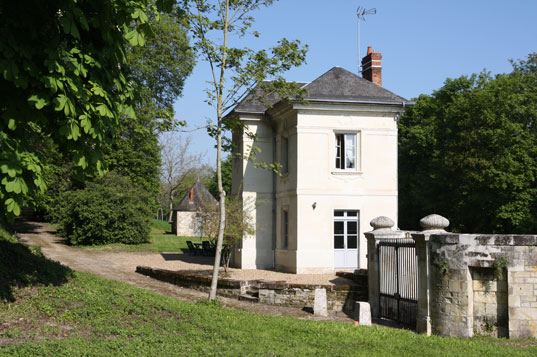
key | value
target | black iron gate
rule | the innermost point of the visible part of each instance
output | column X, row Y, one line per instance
column 398, row 280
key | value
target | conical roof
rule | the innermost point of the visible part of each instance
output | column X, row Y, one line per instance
column 196, row 198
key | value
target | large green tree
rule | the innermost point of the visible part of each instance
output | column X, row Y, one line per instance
column 216, row 26
column 159, row 69
column 62, row 67
column 469, row 152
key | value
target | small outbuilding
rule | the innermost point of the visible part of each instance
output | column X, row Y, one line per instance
column 184, row 221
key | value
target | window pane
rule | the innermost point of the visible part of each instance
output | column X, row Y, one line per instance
column 338, row 213
column 350, row 151
column 352, row 227
column 339, row 151
column 338, row 228
column 352, row 213
column 338, row 242
column 352, row 242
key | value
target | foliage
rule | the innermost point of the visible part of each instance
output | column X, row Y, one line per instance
column 159, row 69
column 109, row 210
column 212, row 185
column 469, row 153
column 62, row 79
column 22, row 266
column 500, row 267
column 236, row 72
column 239, row 223
column 160, row 241
column 91, row 316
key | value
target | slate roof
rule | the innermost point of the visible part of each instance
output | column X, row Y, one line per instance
column 336, row 85
column 255, row 106
column 195, row 198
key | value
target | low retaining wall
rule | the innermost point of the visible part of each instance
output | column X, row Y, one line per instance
column 280, row 293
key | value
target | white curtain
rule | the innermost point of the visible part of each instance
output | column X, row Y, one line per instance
column 350, row 151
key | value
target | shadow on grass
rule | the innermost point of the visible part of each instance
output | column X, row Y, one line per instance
column 22, row 266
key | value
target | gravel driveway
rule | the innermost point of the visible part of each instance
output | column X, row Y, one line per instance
column 121, row 266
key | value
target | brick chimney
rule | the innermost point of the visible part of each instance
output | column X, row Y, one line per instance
column 371, row 67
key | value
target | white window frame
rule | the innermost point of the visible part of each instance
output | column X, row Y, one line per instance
column 343, row 151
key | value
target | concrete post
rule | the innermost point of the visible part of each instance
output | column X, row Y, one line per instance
column 382, row 229
column 431, row 224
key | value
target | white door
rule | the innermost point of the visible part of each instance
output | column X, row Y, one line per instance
column 346, row 230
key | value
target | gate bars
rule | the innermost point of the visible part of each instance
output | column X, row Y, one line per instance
column 398, row 280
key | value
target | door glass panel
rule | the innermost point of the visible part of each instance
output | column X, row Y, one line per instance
column 338, row 228
column 352, row 227
column 352, row 242
column 339, row 242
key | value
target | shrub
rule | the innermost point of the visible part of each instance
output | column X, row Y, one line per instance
column 109, row 210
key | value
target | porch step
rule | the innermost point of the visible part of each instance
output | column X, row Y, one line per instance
column 248, row 297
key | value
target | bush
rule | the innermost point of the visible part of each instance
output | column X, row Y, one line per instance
column 109, row 210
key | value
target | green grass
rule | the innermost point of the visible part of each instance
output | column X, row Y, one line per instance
column 90, row 316
column 93, row 316
column 159, row 225
column 161, row 240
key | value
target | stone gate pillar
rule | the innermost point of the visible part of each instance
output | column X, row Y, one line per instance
column 382, row 229
column 431, row 224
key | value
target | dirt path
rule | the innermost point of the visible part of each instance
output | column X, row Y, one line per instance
column 121, row 266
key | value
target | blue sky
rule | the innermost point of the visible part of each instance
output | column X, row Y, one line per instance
column 422, row 43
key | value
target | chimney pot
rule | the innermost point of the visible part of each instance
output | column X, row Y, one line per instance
column 369, row 50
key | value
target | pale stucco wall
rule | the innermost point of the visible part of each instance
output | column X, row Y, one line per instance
column 255, row 252
column 312, row 177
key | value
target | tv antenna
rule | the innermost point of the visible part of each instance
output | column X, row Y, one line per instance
column 361, row 12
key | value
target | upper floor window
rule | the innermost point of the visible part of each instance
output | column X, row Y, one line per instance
column 346, row 151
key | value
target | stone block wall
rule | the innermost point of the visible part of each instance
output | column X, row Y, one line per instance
column 339, row 297
column 184, row 224
column 489, row 302
column 484, row 284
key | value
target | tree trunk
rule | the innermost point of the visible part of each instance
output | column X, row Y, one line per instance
column 170, row 216
column 222, row 193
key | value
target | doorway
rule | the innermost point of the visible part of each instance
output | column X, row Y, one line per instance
column 346, row 232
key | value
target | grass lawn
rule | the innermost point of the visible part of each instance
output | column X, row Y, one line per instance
column 47, row 310
column 162, row 240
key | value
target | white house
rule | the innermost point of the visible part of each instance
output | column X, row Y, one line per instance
column 338, row 153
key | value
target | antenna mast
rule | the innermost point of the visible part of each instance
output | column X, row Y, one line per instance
column 361, row 12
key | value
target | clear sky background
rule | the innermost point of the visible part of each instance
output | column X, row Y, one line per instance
column 422, row 42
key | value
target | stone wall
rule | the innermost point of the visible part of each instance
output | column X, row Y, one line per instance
column 484, row 284
column 339, row 297
column 467, row 283
column 489, row 302
column 184, row 224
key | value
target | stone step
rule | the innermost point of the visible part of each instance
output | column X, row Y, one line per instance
column 250, row 298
